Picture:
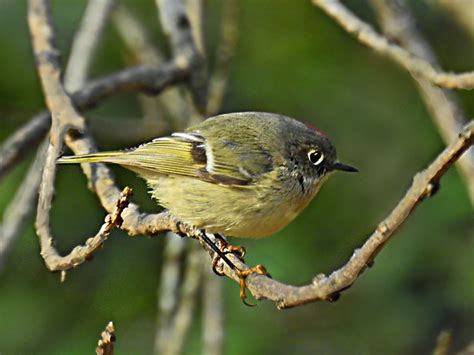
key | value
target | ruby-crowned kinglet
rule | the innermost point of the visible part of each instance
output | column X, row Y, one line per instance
column 242, row 174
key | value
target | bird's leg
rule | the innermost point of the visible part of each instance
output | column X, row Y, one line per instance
column 258, row 269
column 221, row 251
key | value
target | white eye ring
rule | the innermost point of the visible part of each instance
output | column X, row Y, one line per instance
column 315, row 157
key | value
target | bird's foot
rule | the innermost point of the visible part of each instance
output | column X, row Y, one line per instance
column 221, row 249
column 242, row 274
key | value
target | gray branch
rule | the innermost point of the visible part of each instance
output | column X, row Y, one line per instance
column 414, row 64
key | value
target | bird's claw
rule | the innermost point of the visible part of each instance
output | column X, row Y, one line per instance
column 242, row 274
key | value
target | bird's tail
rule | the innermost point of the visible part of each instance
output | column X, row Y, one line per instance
column 117, row 157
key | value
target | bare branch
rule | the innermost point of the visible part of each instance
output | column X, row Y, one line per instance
column 443, row 342
column 195, row 11
column 398, row 24
column 368, row 36
column 85, row 43
column 461, row 10
column 22, row 141
column 183, row 317
column 137, row 41
column 135, row 37
column 168, row 289
column 468, row 350
column 21, row 207
column 80, row 254
column 328, row 287
column 213, row 313
column 105, row 346
column 64, row 117
column 142, row 78
column 177, row 27
column 225, row 54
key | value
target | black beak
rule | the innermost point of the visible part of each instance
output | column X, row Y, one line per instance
column 344, row 167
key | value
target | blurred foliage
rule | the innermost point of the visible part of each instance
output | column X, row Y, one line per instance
column 294, row 60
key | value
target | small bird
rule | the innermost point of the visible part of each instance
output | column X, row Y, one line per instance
column 245, row 174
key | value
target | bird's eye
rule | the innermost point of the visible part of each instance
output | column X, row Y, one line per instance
column 315, row 157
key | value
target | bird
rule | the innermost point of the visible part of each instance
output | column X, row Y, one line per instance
column 241, row 174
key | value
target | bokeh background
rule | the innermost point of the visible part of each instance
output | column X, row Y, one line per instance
column 293, row 60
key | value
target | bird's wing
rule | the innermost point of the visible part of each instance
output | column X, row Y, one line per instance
column 190, row 154
column 180, row 154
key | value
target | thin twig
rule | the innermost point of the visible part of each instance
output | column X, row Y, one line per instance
column 184, row 311
column 443, row 342
column 105, row 345
column 177, row 27
column 213, row 313
column 368, row 36
column 21, row 206
column 141, row 78
column 398, row 24
column 135, row 37
column 168, row 289
column 64, row 118
column 85, row 43
column 195, row 11
column 82, row 253
column 26, row 138
column 225, row 54
column 468, row 350
column 461, row 10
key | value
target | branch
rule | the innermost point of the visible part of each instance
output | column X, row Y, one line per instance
column 85, row 43
column 177, row 27
column 137, row 41
column 187, row 301
column 105, row 345
column 368, row 36
column 21, row 207
column 213, row 313
column 26, row 138
column 328, row 287
column 399, row 25
column 195, row 12
column 225, row 54
column 64, row 118
column 80, row 254
column 461, row 10
column 141, row 78
column 168, row 289
column 443, row 343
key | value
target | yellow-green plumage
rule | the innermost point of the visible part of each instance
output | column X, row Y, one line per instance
column 240, row 174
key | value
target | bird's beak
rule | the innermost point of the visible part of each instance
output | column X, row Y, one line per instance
column 343, row 167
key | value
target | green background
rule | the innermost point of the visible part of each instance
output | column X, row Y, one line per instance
column 292, row 59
